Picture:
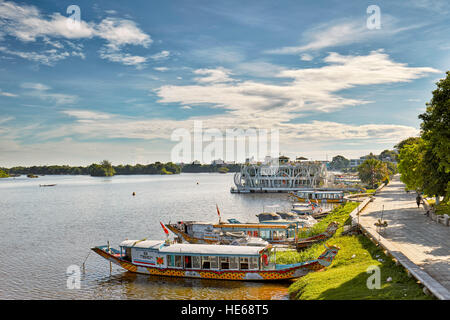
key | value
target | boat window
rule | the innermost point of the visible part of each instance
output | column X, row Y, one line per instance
column 254, row 263
column 170, row 260
column 278, row 235
column 243, row 263
column 196, row 262
column 265, row 234
column 178, row 261
column 224, row 263
column 205, row 263
column 188, row 262
column 234, row 263
column 214, row 262
column 291, row 233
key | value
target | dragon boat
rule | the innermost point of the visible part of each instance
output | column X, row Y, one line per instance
column 209, row 261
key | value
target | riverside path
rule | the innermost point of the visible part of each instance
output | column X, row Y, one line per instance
column 424, row 242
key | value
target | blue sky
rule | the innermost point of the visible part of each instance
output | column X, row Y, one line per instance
column 118, row 84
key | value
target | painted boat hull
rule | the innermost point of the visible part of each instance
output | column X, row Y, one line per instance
column 287, row 273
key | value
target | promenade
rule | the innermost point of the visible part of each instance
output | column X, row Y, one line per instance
column 424, row 242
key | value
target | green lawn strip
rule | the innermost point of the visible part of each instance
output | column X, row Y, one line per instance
column 443, row 208
column 347, row 278
column 339, row 214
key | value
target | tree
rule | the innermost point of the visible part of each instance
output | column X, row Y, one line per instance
column 372, row 172
column 3, row 174
column 411, row 166
column 404, row 142
column 339, row 162
column 435, row 131
column 104, row 169
column 388, row 155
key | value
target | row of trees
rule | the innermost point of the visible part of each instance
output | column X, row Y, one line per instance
column 343, row 164
column 3, row 174
column 424, row 162
column 104, row 169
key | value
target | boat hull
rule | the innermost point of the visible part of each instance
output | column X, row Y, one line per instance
column 239, row 275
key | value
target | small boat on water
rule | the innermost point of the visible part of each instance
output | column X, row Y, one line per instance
column 47, row 185
column 320, row 196
column 222, row 262
column 302, row 222
column 226, row 233
column 314, row 210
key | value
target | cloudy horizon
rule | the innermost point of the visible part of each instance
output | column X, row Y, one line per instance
column 119, row 83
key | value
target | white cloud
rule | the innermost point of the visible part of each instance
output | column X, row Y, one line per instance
column 47, row 57
column 307, row 89
column 120, row 32
column 124, row 58
column 218, row 75
column 306, row 57
column 162, row 69
column 160, row 55
column 340, row 33
column 41, row 91
column 87, row 114
column 8, row 94
column 27, row 24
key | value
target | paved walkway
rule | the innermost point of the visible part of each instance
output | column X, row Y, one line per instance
column 425, row 242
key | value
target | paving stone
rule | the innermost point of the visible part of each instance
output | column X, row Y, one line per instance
column 424, row 242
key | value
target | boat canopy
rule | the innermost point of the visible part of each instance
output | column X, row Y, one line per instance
column 188, row 249
column 208, row 249
column 147, row 244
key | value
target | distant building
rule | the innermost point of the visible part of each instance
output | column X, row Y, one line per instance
column 356, row 162
column 217, row 162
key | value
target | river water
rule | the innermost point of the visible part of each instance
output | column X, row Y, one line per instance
column 44, row 230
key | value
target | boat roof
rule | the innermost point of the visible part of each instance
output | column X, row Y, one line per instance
column 148, row 244
column 273, row 214
column 313, row 191
column 251, row 225
column 188, row 248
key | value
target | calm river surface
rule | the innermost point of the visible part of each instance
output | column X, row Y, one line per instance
column 44, row 230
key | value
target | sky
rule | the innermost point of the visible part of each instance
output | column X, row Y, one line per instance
column 332, row 77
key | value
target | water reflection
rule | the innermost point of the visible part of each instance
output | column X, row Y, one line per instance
column 128, row 285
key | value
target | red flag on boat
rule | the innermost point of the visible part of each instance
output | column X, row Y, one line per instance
column 164, row 228
column 218, row 212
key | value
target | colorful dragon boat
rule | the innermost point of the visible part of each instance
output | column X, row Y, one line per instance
column 224, row 262
column 224, row 233
column 327, row 234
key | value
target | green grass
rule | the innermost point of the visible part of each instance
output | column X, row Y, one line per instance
column 346, row 278
column 339, row 214
column 443, row 208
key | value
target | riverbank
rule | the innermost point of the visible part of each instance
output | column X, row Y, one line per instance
column 347, row 278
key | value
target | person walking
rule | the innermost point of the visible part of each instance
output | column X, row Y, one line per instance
column 418, row 200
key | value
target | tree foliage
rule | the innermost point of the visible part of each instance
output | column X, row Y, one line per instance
column 3, row 174
column 435, row 131
column 411, row 165
column 372, row 172
column 339, row 162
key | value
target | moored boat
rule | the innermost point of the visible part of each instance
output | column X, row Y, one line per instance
column 224, row 262
column 221, row 233
column 301, row 222
column 320, row 196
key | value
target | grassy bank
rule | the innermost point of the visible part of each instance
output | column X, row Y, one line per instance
column 346, row 278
